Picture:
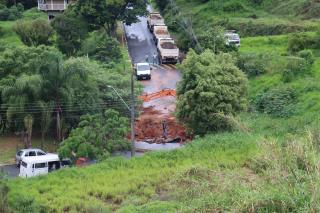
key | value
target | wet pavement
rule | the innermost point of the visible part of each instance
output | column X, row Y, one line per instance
column 141, row 44
column 10, row 170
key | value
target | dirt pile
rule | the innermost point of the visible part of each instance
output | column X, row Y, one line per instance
column 168, row 45
column 149, row 127
column 162, row 32
column 155, row 17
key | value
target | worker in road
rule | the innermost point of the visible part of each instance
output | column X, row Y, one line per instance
column 155, row 59
column 147, row 58
column 165, row 129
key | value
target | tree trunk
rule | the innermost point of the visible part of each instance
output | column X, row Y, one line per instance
column 42, row 139
column 58, row 127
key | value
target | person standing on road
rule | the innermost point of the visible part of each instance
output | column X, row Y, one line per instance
column 155, row 59
column 165, row 129
column 147, row 58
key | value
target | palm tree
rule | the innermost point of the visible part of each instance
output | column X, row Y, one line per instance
column 20, row 98
column 59, row 80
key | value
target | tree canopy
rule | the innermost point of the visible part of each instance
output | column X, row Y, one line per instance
column 97, row 136
column 103, row 13
column 211, row 91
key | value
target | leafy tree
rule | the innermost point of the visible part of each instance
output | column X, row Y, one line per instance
column 11, row 14
column 35, row 33
column 212, row 90
column 101, row 47
column 58, row 83
column 71, row 31
column 213, row 39
column 97, row 136
column 19, row 97
column 104, row 13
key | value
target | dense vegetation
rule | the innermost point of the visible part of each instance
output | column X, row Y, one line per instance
column 211, row 92
column 47, row 91
column 270, row 164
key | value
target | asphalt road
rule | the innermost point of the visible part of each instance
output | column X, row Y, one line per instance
column 10, row 170
column 141, row 44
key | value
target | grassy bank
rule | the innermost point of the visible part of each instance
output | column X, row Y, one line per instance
column 234, row 172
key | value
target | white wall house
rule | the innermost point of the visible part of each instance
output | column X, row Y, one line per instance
column 53, row 7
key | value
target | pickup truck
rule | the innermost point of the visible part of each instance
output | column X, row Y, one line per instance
column 154, row 19
column 143, row 71
column 160, row 32
column 168, row 51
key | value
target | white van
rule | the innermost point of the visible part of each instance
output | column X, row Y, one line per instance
column 39, row 165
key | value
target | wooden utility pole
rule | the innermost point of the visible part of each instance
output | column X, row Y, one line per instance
column 133, row 134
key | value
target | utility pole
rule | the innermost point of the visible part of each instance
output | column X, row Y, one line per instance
column 133, row 134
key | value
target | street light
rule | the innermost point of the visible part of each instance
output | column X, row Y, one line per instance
column 132, row 112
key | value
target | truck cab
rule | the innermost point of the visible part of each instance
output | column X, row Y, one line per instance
column 232, row 38
column 143, row 71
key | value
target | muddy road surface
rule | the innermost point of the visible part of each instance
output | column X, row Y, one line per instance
column 159, row 110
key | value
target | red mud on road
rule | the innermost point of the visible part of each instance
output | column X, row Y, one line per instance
column 149, row 126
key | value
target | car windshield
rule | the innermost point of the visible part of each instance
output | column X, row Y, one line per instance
column 19, row 153
column 143, row 67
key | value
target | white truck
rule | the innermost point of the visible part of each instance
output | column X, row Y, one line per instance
column 160, row 32
column 232, row 38
column 143, row 71
column 154, row 19
column 168, row 51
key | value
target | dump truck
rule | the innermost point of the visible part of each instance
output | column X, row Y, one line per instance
column 160, row 32
column 168, row 51
column 154, row 19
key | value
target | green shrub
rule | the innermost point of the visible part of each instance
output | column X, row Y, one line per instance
column 233, row 6
column 4, row 14
column 253, row 64
column 298, row 42
column 296, row 66
column 277, row 102
column 4, row 190
column 101, row 47
column 35, row 33
column 308, row 56
column 26, row 204
column 11, row 14
column 1, row 32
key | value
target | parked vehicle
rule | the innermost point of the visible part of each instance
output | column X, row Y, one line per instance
column 28, row 153
column 168, row 51
column 160, row 32
column 41, row 165
column 232, row 38
column 143, row 71
column 154, row 19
